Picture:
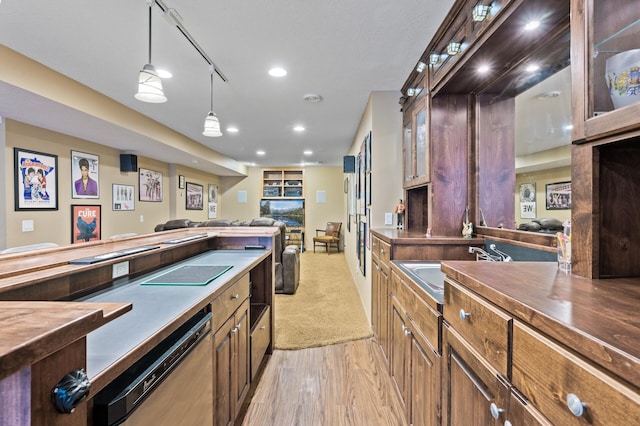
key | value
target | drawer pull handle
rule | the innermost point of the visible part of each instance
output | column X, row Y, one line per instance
column 235, row 297
column 575, row 405
column 464, row 315
column 495, row 410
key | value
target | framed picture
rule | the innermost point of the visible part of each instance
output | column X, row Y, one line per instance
column 213, row 201
column 180, row 182
column 123, row 197
column 85, row 223
column 195, row 195
column 150, row 185
column 85, row 182
column 36, row 180
column 558, row 196
column 528, row 200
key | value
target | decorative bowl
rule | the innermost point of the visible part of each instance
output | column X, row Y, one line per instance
column 623, row 78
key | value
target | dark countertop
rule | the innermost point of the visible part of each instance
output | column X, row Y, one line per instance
column 155, row 308
column 598, row 319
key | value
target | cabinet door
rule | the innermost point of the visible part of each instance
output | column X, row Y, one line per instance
column 470, row 385
column 241, row 382
column 415, row 144
column 223, row 369
column 399, row 353
column 523, row 414
column 384, row 302
column 375, row 298
column 425, row 384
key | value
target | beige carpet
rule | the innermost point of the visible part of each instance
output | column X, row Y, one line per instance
column 326, row 308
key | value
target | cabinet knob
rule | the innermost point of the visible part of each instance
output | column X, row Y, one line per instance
column 235, row 297
column 264, row 327
column 381, row 250
column 495, row 410
column 234, row 330
column 464, row 315
column 575, row 405
column 407, row 333
column 239, row 325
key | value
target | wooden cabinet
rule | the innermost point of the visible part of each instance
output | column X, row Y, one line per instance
column 415, row 144
column 415, row 365
column 282, row 183
column 380, row 301
column 231, row 351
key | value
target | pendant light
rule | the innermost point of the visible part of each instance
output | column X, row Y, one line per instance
column 211, row 123
column 149, row 83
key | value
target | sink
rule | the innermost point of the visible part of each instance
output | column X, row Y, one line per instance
column 426, row 274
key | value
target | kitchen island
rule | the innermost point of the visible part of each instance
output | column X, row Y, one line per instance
column 80, row 288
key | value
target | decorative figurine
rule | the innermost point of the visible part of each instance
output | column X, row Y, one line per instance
column 467, row 229
column 400, row 212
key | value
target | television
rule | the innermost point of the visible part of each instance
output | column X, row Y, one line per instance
column 291, row 212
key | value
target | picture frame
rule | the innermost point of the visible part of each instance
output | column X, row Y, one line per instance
column 85, row 179
column 213, row 201
column 35, row 180
column 149, row 185
column 195, row 196
column 558, row 196
column 181, row 182
column 123, row 197
column 528, row 200
column 86, row 223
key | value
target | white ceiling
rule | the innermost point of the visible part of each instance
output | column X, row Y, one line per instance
column 341, row 50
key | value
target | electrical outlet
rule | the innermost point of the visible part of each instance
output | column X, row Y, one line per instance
column 141, row 218
column 120, row 269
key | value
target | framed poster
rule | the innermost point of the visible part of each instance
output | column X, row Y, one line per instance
column 36, row 180
column 213, row 201
column 85, row 182
column 181, row 182
column 194, row 197
column 528, row 208
column 150, row 185
column 85, row 223
column 123, row 197
column 558, row 196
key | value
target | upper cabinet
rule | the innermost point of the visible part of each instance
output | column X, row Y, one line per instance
column 415, row 144
column 287, row 183
column 606, row 50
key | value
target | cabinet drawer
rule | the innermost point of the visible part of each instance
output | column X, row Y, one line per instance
column 546, row 373
column 226, row 304
column 375, row 246
column 484, row 326
column 260, row 339
column 385, row 251
column 426, row 321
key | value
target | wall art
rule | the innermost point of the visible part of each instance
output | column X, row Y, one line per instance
column 195, row 195
column 36, row 180
column 85, row 182
column 150, row 185
column 85, row 223
column 123, row 197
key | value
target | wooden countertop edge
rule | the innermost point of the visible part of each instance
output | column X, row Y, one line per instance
column 609, row 357
column 394, row 236
column 36, row 346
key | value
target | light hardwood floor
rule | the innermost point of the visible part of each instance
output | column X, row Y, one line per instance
column 344, row 384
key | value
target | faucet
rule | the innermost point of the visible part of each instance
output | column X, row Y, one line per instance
column 483, row 255
column 504, row 257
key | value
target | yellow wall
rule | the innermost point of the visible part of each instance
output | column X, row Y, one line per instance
column 541, row 179
column 55, row 225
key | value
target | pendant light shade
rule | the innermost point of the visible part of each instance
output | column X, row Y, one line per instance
column 211, row 123
column 150, row 86
column 149, row 83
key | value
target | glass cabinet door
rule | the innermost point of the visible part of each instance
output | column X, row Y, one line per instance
column 415, row 145
column 615, row 75
column 421, row 143
column 407, row 154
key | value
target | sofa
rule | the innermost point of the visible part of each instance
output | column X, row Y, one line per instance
column 286, row 258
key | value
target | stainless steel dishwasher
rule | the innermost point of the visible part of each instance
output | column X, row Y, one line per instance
column 171, row 385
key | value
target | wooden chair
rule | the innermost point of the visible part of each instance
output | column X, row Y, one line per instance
column 330, row 235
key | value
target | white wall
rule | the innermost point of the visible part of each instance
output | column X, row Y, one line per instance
column 383, row 118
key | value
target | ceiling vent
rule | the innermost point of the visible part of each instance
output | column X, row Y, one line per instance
column 312, row 98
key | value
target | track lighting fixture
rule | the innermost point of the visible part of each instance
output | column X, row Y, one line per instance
column 149, row 83
column 211, row 123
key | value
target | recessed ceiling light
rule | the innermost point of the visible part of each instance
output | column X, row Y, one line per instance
column 308, row 152
column 299, row 128
column 164, row 74
column 533, row 67
column 260, row 152
column 483, row 69
column 277, row 72
column 568, row 127
column 532, row 25
column 232, row 129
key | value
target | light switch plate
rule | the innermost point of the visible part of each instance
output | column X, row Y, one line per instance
column 388, row 218
column 120, row 269
column 27, row 225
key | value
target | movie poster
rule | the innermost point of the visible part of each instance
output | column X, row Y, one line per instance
column 85, row 223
